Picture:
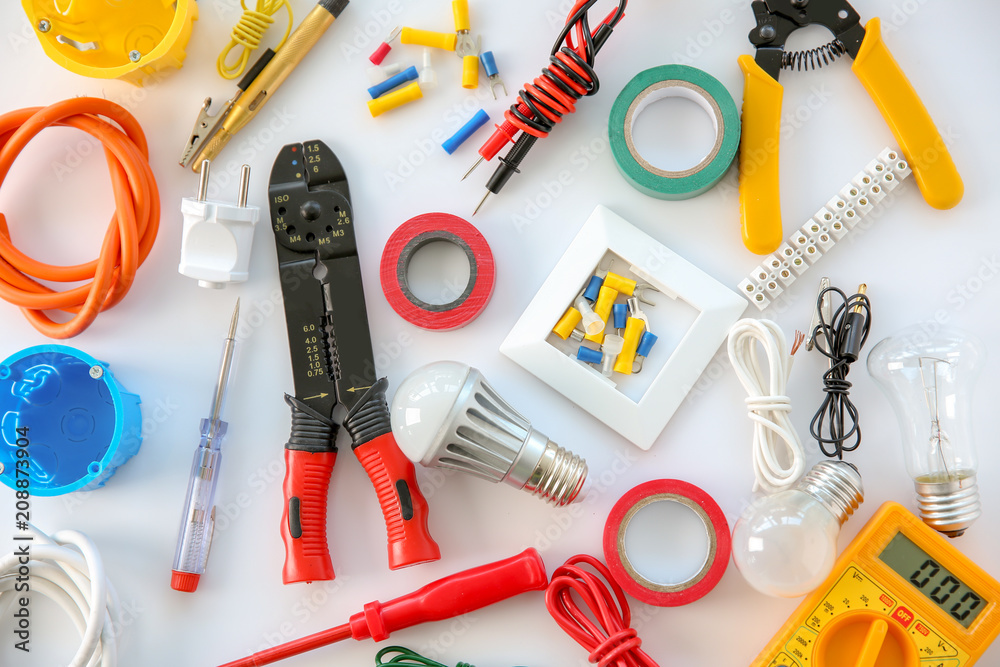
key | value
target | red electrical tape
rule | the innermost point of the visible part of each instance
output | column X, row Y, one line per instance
column 407, row 240
column 667, row 595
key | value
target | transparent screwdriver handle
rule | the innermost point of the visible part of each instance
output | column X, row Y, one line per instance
column 198, row 519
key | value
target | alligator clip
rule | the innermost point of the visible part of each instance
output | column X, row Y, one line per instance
column 332, row 363
column 885, row 82
column 207, row 126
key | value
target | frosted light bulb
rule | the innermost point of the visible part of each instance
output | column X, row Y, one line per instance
column 785, row 544
column 928, row 380
column 445, row 415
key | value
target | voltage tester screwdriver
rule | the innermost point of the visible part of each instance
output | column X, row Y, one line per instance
column 452, row 596
column 198, row 520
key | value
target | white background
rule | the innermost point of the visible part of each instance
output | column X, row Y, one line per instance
column 163, row 341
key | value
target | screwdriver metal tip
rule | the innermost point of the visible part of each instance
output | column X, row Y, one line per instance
column 482, row 201
column 473, row 168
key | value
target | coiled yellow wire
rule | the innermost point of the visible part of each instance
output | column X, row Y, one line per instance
column 248, row 33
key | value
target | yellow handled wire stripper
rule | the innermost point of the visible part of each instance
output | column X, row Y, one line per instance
column 907, row 117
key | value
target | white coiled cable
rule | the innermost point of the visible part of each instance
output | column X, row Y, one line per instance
column 74, row 579
column 778, row 456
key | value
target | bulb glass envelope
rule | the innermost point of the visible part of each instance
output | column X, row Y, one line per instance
column 639, row 420
column 929, row 382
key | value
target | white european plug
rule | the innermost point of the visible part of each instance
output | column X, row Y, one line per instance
column 217, row 237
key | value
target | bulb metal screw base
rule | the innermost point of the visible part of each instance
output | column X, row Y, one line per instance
column 835, row 484
column 558, row 477
column 951, row 506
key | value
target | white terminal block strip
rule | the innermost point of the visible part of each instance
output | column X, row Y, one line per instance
column 217, row 237
column 830, row 224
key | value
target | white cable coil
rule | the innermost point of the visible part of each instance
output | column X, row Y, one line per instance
column 778, row 456
column 74, row 579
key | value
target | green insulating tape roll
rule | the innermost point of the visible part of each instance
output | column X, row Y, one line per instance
column 658, row 83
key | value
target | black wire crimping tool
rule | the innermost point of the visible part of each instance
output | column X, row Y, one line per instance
column 332, row 362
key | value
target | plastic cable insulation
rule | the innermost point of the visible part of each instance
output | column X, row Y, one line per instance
column 74, row 579
column 249, row 32
column 611, row 641
column 130, row 234
column 767, row 401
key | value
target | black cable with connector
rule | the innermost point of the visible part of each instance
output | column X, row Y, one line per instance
column 840, row 340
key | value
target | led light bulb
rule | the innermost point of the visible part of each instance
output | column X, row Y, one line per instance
column 445, row 415
column 785, row 544
column 928, row 380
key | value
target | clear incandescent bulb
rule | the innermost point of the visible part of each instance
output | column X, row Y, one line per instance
column 785, row 544
column 928, row 380
column 445, row 415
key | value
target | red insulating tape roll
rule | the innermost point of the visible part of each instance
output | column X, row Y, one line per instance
column 407, row 240
column 662, row 595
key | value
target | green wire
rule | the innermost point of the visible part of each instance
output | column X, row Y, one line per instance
column 405, row 657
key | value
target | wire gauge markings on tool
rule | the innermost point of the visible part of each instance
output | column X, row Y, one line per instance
column 130, row 234
column 767, row 400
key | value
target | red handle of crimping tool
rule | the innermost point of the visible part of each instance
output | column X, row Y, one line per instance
column 303, row 520
column 403, row 505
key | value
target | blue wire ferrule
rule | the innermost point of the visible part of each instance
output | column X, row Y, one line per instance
column 408, row 74
column 454, row 141
column 620, row 312
column 593, row 288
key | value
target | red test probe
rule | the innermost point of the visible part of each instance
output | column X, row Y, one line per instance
column 543, row 102
column 452, row 596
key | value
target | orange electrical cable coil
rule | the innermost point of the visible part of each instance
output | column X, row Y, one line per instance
column 130, row 234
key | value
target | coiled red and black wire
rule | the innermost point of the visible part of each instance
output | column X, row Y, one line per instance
column 553, row 94
column 570, row 75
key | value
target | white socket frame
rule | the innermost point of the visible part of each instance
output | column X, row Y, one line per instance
column 640, row 422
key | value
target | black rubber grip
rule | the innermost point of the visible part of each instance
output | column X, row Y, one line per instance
column 333, row 6
column 252, row 73
column 295, row 517
column 311, row 431
column 405, row 501
column 370, row 417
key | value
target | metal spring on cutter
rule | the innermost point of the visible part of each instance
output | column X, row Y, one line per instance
column 813, row 58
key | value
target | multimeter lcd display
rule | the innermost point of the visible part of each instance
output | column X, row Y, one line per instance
column 938, row 584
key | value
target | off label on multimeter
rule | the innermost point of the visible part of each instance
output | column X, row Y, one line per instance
column 899, row 596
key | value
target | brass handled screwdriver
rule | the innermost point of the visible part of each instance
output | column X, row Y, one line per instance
column 212, row 133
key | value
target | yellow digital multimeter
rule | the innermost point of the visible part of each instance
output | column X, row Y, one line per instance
column 899, row 596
